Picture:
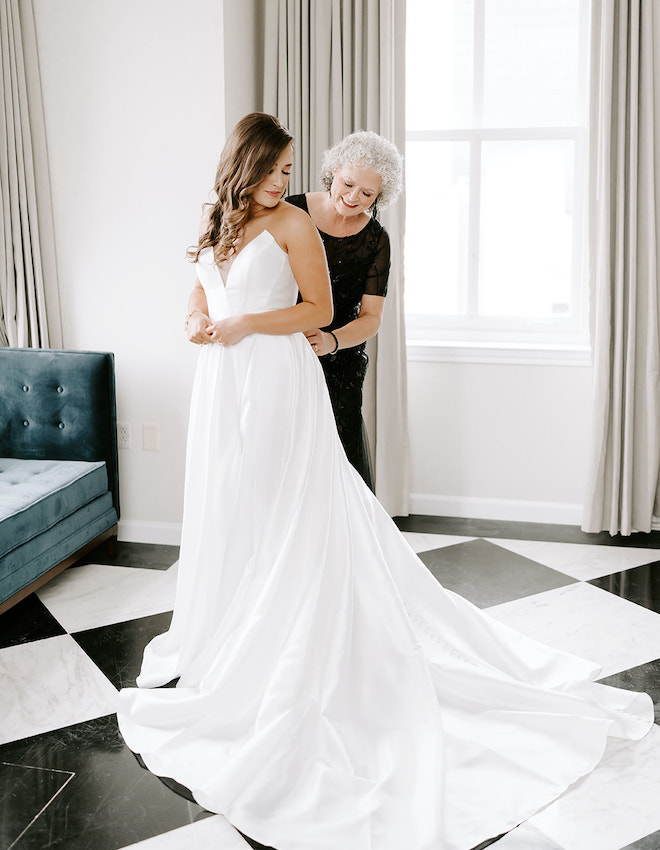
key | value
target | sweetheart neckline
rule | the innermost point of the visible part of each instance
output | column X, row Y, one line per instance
column 225, row 282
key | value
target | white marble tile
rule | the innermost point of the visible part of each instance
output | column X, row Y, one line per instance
column 213, row 833
column 98, row 595
column 423, row 542
column 589, row 622
column 614, row 805
column 580, row 560
column 48, row 684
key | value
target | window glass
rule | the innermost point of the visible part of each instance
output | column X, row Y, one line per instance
column 439, row 85
column 525, row 229
column 531, row 63
column 437, row 212
column 496, row 94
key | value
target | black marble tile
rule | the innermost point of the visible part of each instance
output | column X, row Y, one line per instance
column 523, row 531
column 25, row 792
column 488, row 843
column 26, row 621
column 108, row 802
column 150, row 556
column 117, row 649
column 255, row 844
column 645, row 678
column 649, row 842
column 638, row 584
column 488, row 574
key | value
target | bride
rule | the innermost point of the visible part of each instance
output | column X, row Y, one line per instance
column 330, row 694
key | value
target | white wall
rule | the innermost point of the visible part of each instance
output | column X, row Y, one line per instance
column 499, row 441
column 133, row 101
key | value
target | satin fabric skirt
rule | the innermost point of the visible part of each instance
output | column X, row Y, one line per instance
column 331, row 694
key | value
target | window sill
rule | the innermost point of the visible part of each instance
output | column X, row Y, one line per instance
column 525, row 354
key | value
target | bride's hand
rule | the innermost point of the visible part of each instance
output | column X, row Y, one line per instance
column 229, row 331
column 198, row 326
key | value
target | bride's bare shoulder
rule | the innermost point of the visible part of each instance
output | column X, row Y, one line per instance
column 293, row 228
column 292, row 221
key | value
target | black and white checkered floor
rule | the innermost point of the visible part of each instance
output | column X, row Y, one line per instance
column 67, row 780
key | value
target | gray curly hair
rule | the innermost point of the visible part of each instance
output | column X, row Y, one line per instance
column 366, row 149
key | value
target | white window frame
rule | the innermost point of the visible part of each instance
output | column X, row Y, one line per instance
column 473, row 338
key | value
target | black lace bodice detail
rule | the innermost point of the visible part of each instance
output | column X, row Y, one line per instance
column 358, row 265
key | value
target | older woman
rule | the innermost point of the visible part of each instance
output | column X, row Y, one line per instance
column 361, row 175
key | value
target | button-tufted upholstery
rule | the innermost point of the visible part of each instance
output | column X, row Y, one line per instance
column 55, row 406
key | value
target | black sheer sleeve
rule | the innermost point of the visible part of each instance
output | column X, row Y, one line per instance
column 379, row 270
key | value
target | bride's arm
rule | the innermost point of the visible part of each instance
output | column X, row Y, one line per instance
column 299, row 237
column 197, row 319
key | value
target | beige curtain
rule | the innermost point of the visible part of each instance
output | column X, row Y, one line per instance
column 330, row 67
column 29, row 301
column 625, row 258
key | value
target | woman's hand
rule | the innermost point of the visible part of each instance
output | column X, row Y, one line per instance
column 229, row 331
column 321, row 341
column 197, row 328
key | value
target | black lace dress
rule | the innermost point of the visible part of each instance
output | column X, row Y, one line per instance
column 359, row 265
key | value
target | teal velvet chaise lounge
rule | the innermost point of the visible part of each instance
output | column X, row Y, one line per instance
column 59, row 482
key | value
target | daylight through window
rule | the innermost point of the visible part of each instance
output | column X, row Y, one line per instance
column 496, row 112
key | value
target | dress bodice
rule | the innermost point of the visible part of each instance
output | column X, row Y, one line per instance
column 258, row 280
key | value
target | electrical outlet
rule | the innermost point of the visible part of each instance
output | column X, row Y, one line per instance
column 150, row 437
column 123, row 435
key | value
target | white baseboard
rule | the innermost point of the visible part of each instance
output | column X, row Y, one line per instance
column 554, row 513
column 135, row 531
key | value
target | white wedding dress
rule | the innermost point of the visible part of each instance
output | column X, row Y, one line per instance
column 332, row 695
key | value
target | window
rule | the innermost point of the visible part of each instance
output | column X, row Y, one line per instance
column 496, row 113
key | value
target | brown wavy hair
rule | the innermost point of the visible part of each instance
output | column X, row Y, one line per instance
column 251, row 150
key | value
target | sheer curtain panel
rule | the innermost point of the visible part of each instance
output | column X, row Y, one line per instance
column 625, row 253
column 29, row 301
